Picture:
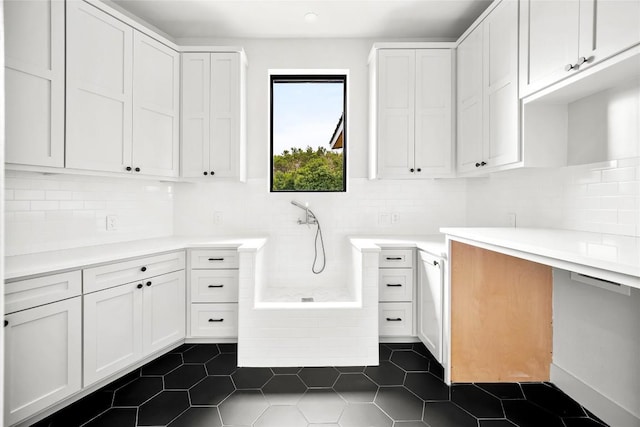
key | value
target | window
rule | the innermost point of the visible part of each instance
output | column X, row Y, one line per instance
column 308, row 132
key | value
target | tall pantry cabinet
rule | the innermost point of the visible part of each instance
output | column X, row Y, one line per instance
column 488, row 104
column 122, row 97
column 34, row 82
column 213, row 109
column 411, row 117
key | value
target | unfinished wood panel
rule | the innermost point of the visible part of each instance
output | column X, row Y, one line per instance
column 501, row 317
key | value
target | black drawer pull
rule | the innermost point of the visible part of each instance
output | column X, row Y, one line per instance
column 143, row 269
column 394, row 319
column 216, row 320
column 6, row 323
column 216, row 259
column 397, row 258
column 394, row 285
column 139, row 286
column 215, row 286
column 148, row 283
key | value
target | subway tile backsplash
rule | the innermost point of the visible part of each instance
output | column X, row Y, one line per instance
column 47, row 212
column 600, row 197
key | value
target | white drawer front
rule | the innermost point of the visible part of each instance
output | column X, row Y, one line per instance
column 214, row 258
column 29, row 293
column 395, row 319
column 214, row 285
column 395, row 284
column 214, row 320
column 118, row 273
column 396, row 258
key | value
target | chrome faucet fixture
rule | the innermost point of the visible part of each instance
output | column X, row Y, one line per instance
column 310, row 219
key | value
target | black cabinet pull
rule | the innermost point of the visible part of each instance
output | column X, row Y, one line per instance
column 481, row 164
column 148, row 283
column 137, row 169
column 396, row 258
column 143, row 269
column 139, row 286
column 205, row 173
column 411, row 170
column 393, row 285
column 419, row 169
column 216, row 320
column 128, row 168
column 6, row 323
column 215, row 286
column 477, row 164
column 216, row 259
column 435, row 263
column 212, row 173
column 394, row 319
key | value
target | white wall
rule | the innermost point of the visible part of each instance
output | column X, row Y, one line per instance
column 423, row 206
column 596, row 343
column 48, row 212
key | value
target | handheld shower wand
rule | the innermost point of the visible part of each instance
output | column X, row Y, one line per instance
column 310, row 218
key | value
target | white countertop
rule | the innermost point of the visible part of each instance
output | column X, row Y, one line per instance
column 589, row 252
column 76, row 258
column 434, row 244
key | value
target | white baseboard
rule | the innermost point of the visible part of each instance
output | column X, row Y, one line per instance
column 603, row 407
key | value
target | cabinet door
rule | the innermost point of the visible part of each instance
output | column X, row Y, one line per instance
column 99, row 84
column 433, row 112
column 469, row 117
column 42, row 357
column 501, row 142
column 164, row 311
column 112, row 330
column 156, row 71
column 608, row 27
column 224, row 135
column 548, row 42
column 196, row 92
column 34, row 82
column 396, row 107
column 430, row 289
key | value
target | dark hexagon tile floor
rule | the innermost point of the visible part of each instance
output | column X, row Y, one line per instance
column 200, row 385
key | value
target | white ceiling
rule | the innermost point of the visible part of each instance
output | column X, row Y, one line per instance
column 381, row 19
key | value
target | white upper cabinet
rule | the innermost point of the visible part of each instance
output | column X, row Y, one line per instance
column 34, row 82
column 156, row 107
column 411, row 111
column 488, row 105
column 122, row 97
column 213, row 136
column 558, row 38
column 99, row 90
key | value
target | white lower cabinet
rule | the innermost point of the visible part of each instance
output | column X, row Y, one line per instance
column 42, row 357
column 430, row 303
column 213, row 301
column 125, row 323
column 396, row 293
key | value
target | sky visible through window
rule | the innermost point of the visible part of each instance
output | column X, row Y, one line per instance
column 305, row 114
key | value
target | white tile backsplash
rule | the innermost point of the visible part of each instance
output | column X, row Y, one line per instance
column 599, row 197
column 48, row 212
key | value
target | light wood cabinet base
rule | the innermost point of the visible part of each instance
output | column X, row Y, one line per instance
column 501, row 317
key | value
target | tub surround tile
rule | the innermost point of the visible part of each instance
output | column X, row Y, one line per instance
column 295, row 397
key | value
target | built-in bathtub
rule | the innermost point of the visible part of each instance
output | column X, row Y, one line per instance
column 332, row 325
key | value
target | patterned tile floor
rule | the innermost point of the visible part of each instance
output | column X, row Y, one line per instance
column 201, row 386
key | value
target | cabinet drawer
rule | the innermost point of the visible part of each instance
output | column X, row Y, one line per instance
column 118, row 273
column 214, row 258
column 395, row 284
column 214, row 320
column 214, row 286
column 396, row 258
column 29, row 293
column 395, row 319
